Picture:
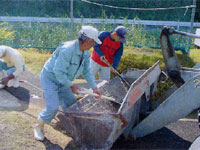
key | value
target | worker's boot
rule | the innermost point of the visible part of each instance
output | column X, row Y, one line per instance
column 38, row 130
column 14, row 82
column 2, row 75
column 2, row 86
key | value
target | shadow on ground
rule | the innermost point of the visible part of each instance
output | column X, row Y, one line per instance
column 161, row 139
column 22, row 95
column 51, row 146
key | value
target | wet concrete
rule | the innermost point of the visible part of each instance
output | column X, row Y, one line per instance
column 114, row 88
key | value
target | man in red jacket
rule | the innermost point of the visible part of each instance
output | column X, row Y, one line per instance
column 110, row 49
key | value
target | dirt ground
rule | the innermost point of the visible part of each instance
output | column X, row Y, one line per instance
column 16, row 127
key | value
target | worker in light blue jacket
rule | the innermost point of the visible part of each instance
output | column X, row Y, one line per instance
column 69, row 61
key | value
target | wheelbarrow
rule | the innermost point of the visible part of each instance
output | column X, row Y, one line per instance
column 97, row 123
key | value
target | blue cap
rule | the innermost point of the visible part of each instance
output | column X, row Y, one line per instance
column 121, row 32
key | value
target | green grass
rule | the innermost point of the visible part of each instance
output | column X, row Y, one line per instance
column 195, row 55
column 19, row 131
column 16, row 130
column 145, row 57
column 34, row 59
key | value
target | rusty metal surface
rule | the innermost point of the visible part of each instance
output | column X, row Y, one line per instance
column 97, row 123
column 90, row 130
column 94, row 122
column 138, row 88
column 131, row 105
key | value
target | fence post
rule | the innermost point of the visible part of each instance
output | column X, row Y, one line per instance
column 191, row 25
column 72, row 18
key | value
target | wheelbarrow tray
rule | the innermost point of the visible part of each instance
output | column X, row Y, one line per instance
column 97, row 123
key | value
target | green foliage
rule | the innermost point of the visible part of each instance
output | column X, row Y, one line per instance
column 52, row 34
column 185, row 61
column 43, row 34
column 136, row 35
column 141, row 61
column 35, row 59
column 36, row 8
column 144, row 61
column 195, row 55
column 162, row 87
column 61, row 8
column 7, row 34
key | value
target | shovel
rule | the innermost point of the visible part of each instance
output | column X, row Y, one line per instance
column 106, row 62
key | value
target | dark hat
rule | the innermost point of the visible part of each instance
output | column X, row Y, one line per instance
column 121, row 32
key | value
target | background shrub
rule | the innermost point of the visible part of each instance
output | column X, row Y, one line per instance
column 7, row 34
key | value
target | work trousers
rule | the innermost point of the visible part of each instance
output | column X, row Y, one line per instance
column 55, row 95
column 104, row 72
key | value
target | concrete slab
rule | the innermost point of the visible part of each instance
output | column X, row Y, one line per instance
column 10, row 102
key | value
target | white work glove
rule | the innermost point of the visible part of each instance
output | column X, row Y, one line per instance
column 97, row 91
column 114, row 70
column 75, row 89
column 103, row 58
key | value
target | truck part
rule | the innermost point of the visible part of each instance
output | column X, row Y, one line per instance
column 196, row 144
column 183, row 101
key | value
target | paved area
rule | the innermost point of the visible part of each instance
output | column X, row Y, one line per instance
column 178, row 135
column 30, row 92
column 9, row 102
column 196, row 144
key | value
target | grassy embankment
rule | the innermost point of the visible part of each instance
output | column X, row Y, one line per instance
column 35, row 59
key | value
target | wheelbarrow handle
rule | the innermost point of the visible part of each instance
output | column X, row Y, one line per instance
column 86, row 91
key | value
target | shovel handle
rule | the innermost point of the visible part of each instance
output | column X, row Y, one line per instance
column 86, row 91
column 94, row 94
column 106, row 62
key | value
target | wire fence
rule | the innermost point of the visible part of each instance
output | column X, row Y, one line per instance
column 50, row 34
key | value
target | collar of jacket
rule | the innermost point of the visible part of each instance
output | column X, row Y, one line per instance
column 78, row 51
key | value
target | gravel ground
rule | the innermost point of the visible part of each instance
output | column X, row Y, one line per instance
column 178, row 135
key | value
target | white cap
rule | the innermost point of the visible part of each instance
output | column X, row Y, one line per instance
column 91, row 32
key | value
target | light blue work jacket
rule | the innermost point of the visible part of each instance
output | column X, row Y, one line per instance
column 64, row 65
